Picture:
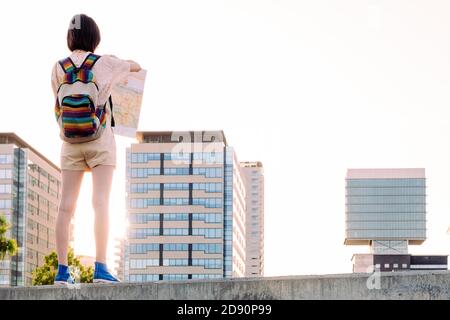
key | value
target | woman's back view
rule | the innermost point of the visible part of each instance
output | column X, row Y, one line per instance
column 81, row 119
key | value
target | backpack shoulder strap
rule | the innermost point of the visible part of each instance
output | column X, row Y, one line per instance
column 67, row 65
column 113, row 122
column 90, row 61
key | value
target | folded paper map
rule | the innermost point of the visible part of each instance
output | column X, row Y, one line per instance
column 127, row 101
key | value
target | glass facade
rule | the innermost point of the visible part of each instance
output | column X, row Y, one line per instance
column 155, row 277
column 143, row 233
column 144, row 187
column 198, row 157
column 6, row 209
column 205, row 263
column 29, row 190
column 142, row 218
column 161, row 192
column 228, row 214
column 140, row 203
column 215, row 187
column 145, row 157
column 386, row 209
column 142, row 248
column 181, row 217
column 144, row 172
column 18, row 221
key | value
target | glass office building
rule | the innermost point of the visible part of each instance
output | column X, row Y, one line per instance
column 185, row 208
column 29, row 193
column 386, row 209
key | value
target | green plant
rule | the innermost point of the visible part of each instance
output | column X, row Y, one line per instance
column 7, row 246
column 45, row 274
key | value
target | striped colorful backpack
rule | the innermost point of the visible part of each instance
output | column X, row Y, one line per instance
column 79, row 116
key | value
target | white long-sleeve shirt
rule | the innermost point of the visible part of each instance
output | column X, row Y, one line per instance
column 108, row 71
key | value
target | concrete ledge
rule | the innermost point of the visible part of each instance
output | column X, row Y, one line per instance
column 401, row 285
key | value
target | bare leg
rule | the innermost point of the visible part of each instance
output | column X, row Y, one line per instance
column 101, row 185
column 71, row 183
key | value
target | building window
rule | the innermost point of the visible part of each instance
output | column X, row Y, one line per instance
column 208, row 202
column 144, row 187
column 208, row 187
column 176, row 186
column 6, row 158
column 175, row 262
column 5, row 188
column 404, row 266
column 143, row 247
column 144, row 202
column 208, row 263
column 144, row 172
column 143, row 263
column 185, row 157
column 176, row 217
column 207, row 217
column 176, row 201
column 395, row 266
column 5, row 174
column 206, row 276
column 143, row 233
column 144, row 217
column 176, row 171
column 144, row 157
column 175, row 277
column 175, row 247
column 143, row 277
column 5, row 204
column 209, row 172
column 207, row 232
column 208, row 157
column 386, row 265
column 176, row 232
column 209, row 248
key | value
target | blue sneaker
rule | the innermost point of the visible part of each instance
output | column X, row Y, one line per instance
column 63, row 276
column 102, row 275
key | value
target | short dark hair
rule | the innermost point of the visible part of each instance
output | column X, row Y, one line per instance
column 83, row 33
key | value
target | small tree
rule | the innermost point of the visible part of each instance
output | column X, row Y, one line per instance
column 7, row 246
column 45, row 275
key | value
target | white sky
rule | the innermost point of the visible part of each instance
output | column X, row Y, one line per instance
column 310, row 88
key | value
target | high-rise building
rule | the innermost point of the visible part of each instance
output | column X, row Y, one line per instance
column 29, row 196
column 253, row 173
column 186, row 208
column 119, row 251
column 385, row 209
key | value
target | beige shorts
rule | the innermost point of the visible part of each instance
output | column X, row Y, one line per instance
column 87, row 155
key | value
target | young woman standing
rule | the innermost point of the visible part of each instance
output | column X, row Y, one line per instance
column 97, row 156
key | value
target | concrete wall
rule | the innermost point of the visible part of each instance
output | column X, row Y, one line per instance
column 405, row 285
